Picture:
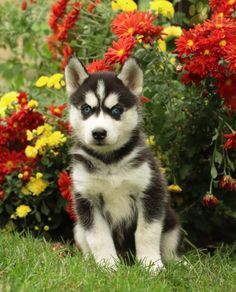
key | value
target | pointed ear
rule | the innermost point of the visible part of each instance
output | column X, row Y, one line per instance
column 132, row 76
column 75, row 74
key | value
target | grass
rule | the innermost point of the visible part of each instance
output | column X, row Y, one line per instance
column 28, row 264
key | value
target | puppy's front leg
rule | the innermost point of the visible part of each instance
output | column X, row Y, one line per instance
column 147, row 239
column 97, row 233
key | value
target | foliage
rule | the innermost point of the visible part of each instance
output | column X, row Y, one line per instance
column 186, row 125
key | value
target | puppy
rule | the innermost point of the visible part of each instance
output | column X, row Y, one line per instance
column 119, row 195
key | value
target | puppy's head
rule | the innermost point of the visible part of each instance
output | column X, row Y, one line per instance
column 104, row 106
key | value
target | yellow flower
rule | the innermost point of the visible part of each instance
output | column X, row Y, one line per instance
column 42, row 81
column 172, row 31
column 22, row 211
column 29, row 135
column 162, row 45
column 36, row 228
column 33, row 103
column 36, row 185
column 25, row 191
column 31, row 152
column 46, row 228
column 54, row 81
column 7, row 101
column 56, row 138
column 174, row 188
column 151, row 140
column 124, row 5
column 163, row 7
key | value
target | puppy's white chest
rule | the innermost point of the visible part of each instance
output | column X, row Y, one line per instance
column 111, row 181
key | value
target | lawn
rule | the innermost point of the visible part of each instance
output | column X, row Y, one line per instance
column 28, row 264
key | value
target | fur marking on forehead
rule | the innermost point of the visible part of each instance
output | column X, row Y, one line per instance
column 111, row 100
column 101, row 89
column 91, row 99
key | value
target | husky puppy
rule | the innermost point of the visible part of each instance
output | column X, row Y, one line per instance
column 119, row 195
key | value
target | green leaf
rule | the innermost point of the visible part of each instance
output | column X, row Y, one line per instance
column 218, row 157
column 214, row 172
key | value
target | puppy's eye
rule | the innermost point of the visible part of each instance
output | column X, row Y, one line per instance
column 116, row 111
column 86, row 109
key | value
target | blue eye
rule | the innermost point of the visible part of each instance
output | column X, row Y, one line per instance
column 117, row 111
column 86, row 109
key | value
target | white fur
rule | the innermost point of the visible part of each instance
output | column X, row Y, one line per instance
column 100, row 241
column 132, row 76
column 90, row 99
column 169, row 242
column 101, row 89
column 80, row 239
column 116, row 183
column 111, row 100
column 75, row 74
column 147, row 239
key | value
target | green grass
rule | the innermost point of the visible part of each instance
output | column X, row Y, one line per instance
column 28, row 264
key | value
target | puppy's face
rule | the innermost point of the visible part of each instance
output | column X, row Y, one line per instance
column 103, row 106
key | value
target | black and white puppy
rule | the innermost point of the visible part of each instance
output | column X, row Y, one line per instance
column 120, row 197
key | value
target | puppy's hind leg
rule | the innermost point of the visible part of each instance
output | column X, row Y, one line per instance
column 170, row 239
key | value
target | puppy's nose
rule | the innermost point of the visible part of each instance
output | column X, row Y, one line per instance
column 99, row 134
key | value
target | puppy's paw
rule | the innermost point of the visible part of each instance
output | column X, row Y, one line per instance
column 153, row 265
column 107, row 262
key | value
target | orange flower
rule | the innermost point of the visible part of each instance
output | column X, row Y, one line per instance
column 57, row 110
column 210, row 200
column 120, row 50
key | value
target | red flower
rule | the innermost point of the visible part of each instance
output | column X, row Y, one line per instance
column 144, row 99
column 22, row 98
column 68, row 21
column 120, row 50
column 227, row 183
column 67, row 52
column 135, row 23
column 70, row 210
column 57, row 11
column 23, row 5
column 65, row 185
column 230, row 58
column 9, row 161
column 98, row 65
column 57, row 110
column 210, row 200
column 231, row 142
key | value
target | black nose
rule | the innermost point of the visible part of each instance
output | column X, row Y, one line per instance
column 99, row 134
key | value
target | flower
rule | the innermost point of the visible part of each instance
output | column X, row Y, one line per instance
column 163, row 7
column 98, row 65
column 70, row 210
column 161, row 45
column 36, row 185
column 172, row 31
column 55, row 81
column 9, row 161
column 65, row 185
column 151, row 140
column 22, row 211
column 56, row 139
column 231, row 142
column 174, row 188
column 57, row 110
column 31, row 152
column 124, row 5
column 46, row 228
column 22, row 98
column 23, row 5
column 32, row 103
column 227, row 183
column 144, row 99
column 120, row 50
column 209, row 200
column 7, row 101
column 57, row 11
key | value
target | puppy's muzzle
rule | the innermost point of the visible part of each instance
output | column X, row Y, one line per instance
column 99, row 135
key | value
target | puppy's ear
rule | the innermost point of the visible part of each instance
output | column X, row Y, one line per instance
column 132, row 76
column 75, row 74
